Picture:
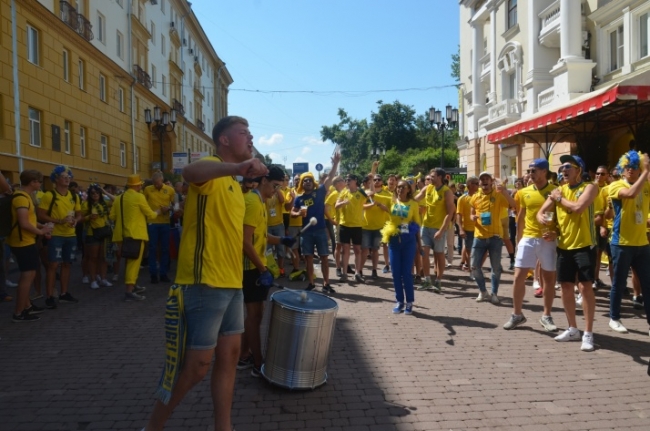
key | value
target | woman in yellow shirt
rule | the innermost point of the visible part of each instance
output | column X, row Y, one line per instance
column 95, row 216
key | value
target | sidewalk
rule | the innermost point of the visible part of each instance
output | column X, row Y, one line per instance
column 95, row 365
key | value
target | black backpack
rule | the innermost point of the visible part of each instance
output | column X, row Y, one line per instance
column 6, row 221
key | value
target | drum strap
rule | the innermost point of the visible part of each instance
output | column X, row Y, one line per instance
column 175, row 331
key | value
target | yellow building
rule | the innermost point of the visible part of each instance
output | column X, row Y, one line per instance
column 82, row 74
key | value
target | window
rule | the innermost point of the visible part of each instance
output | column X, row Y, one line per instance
column 512, row 85
column 120, row 99
column 66, row 65
column 66, row 136
column 121, row 3
column 153, row 33
column 82, row 73
column 164, row 85
column 137, row 108
column 82, row 142
column 32, row 45
column 103, row 141
column 512, row 13
column 102, row 88
column 120, row 45
column 616, row 49
column 153, row 76
column 34, row 127
column 101, row 28
column 123, row 154
column 163, row 48
column 644, row 20
column 136, row 159
column 162, row 6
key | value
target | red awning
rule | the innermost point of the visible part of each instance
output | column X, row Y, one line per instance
column 582, row 105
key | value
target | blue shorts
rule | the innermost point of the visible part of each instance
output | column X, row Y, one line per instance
column 277, row 230
column 438, row 245
column 314, row 238
column 469, row 240
column 211, row 312
column 62, row 249
column 370, row 239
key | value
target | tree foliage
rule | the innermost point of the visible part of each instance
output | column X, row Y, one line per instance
column 455, row 65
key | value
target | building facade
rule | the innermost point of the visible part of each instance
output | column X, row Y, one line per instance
column 76, row 78
column 544, row 78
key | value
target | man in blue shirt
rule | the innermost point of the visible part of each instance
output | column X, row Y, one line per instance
column 309, row 203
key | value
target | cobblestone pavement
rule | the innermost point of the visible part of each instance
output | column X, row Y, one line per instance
column 94, row 366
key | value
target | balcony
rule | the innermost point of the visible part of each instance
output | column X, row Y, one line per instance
column 198, row 90
column 141, row 76
column 76, row 21
column 200, row 125
column 549, row 34
column 486, row 64
column 178, row 106
column 545, row 98
column 503, row 112
column 482, row 123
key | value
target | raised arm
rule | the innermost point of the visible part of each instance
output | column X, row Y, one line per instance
column 205, row 170
column 336, row 158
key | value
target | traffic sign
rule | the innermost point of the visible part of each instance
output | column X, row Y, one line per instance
column 300, row 168
column 319, row 167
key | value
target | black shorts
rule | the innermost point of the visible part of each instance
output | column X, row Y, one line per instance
column 580, row 262
column 351, row 235
column 26, row 257
column 603, row 243
column 285, row 220
column 253, row 292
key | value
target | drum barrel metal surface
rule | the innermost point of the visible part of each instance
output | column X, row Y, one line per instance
column 300, row 337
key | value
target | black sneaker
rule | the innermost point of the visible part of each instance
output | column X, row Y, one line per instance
column 328, row 289
column 132, row 296
column 359, row 278
column 637, row 301
column 139, row 289
column 310, row 287
column 154, row 279
column 256, row 372
column 165, row 279
column 35, row 309
column 66, row 297
column 374, row 275
column 350, row 270
column 386, row 269
column 50, row 303
column 25, row 317
column 244, row 364
column 339, row 274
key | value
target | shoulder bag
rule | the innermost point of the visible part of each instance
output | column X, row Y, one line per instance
column 130, row 247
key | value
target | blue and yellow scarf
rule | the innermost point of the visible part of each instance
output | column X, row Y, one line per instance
column 174, row 343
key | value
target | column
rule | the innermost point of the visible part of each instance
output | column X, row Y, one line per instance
column 477, row 54
column 493, row 56
column 571, row 30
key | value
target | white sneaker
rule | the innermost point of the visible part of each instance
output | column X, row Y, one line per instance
column 494, row 299
column 579, row 301
column 94, row 285
column 106, row 283
column 10, row 283
column 85, row 280
column 587, row 343
column 98, row 278
column 558, row 286
column 617, row 326
column 568, row 336
column 483, row 297
column 116, row 277
column 536, row 284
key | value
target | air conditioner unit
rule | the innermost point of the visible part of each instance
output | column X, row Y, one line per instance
column 172, row 24
column 184, row 42
column 191, row 51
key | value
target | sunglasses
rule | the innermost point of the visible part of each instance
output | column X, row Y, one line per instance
column 307, row 180
column 427, row 179
column 598, row 174
column 377, row 179
column 531, row 171
column 568, row 166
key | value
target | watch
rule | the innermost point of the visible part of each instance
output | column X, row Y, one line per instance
column 558, row 199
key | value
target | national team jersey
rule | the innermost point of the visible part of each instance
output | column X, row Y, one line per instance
column 100, row 221
column 464, row 208
column 274, row 210
column 293, row 221
column 576, row 230
column 629, row 225
column 487, row 208
column 160, row 198
column 213, row 234
column 256, row 217
column 330, row 203
column 531, row 198
column 374, row 217
column 20, row 237
column 436, row 206
column 64, row 205
column 351, row 215
column 315, row 203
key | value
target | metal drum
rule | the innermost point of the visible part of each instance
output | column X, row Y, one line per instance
column 300, row 337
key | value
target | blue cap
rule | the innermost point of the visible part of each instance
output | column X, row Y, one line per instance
column 576, row 160
column 539, row 164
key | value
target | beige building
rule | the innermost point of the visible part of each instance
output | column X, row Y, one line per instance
column 76, row 78
column 544, row 78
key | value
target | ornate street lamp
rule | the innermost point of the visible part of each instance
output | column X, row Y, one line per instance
column 161, row 124
column 435, row 117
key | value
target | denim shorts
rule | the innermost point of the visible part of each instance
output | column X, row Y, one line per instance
column 62, row 249
column 314, row 238
column 438, row 245
column 211, row 312
column 277, row 230
column 469, row 240
column 370, row 239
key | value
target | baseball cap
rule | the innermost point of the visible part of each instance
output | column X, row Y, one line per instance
column 574, row 160
column 484, row 173
column 539, row 164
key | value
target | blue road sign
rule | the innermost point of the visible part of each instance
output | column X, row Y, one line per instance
column 300, row 168
column 319, row 167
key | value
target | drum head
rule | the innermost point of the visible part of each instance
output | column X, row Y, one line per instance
column 304, row 300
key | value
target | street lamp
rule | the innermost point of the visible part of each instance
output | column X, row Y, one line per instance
column 435, row 117
column 378, row 152
column 162, row 124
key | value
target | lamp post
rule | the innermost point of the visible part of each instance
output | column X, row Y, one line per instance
column 378, row 152
column 435, row 117
column 161, row 124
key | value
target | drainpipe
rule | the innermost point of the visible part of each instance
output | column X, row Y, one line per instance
column 130, row 66
column 14, row 47
column 219, row 116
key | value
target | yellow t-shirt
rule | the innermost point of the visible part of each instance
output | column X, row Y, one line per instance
column 351, row 215
column 630, row 220
column 374, row 218
column 256, row 216
column 293, row 221
column 160, row 198
column 63, row 206
column 330, row 204
column 274, row 210
column 20, row 237
column 491, row 203
column 532, row 200
column 436, row 206
column 576, row 230
column 400, row 212
column 464, row 208
column 285, row 191
column 213, row 234
column 100, row 221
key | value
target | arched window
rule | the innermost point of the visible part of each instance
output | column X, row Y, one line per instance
column 509, row 64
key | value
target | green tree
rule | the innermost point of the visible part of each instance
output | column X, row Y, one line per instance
column 455, row 66
column 349, row 135
column 267, row 159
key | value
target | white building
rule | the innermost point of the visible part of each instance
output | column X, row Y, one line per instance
column 547, row 77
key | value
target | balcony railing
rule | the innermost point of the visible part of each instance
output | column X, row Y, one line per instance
column 76, row 21
column 141, row 76
column 545, row 98
column 503, row 110
column 200, row 125
column 550, row 25
column 485, row 63
column 178, row 106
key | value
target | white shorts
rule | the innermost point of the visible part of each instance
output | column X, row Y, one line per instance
column 530, row 250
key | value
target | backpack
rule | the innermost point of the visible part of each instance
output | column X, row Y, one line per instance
column 6, row 220
column 49, row 210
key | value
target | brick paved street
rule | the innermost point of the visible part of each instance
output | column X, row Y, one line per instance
column 94, row 366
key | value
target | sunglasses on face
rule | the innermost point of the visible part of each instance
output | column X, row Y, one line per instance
column 601, row 174
column 377, row 179
column 568, row 166
column 531, row 171
column 307, row 180
column 427, row 179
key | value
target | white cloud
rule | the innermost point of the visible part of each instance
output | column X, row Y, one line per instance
column 312, row 140
column 300, row 160
column 275, row 139
column 277, row 158
column 306, row 150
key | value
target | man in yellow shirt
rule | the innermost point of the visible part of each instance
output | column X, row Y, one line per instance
column 464, row 220
column 350, row 202
column 374, row 220
column 576, row 251
column 63, row 208
column 602, row 177
column 485, row 213
column 275, row 222
column 210, row 267
column 158, row 196
column 295, row 224
column 333, row 215
column 629, row 243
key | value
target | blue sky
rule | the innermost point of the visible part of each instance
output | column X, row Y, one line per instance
column 339, row 53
